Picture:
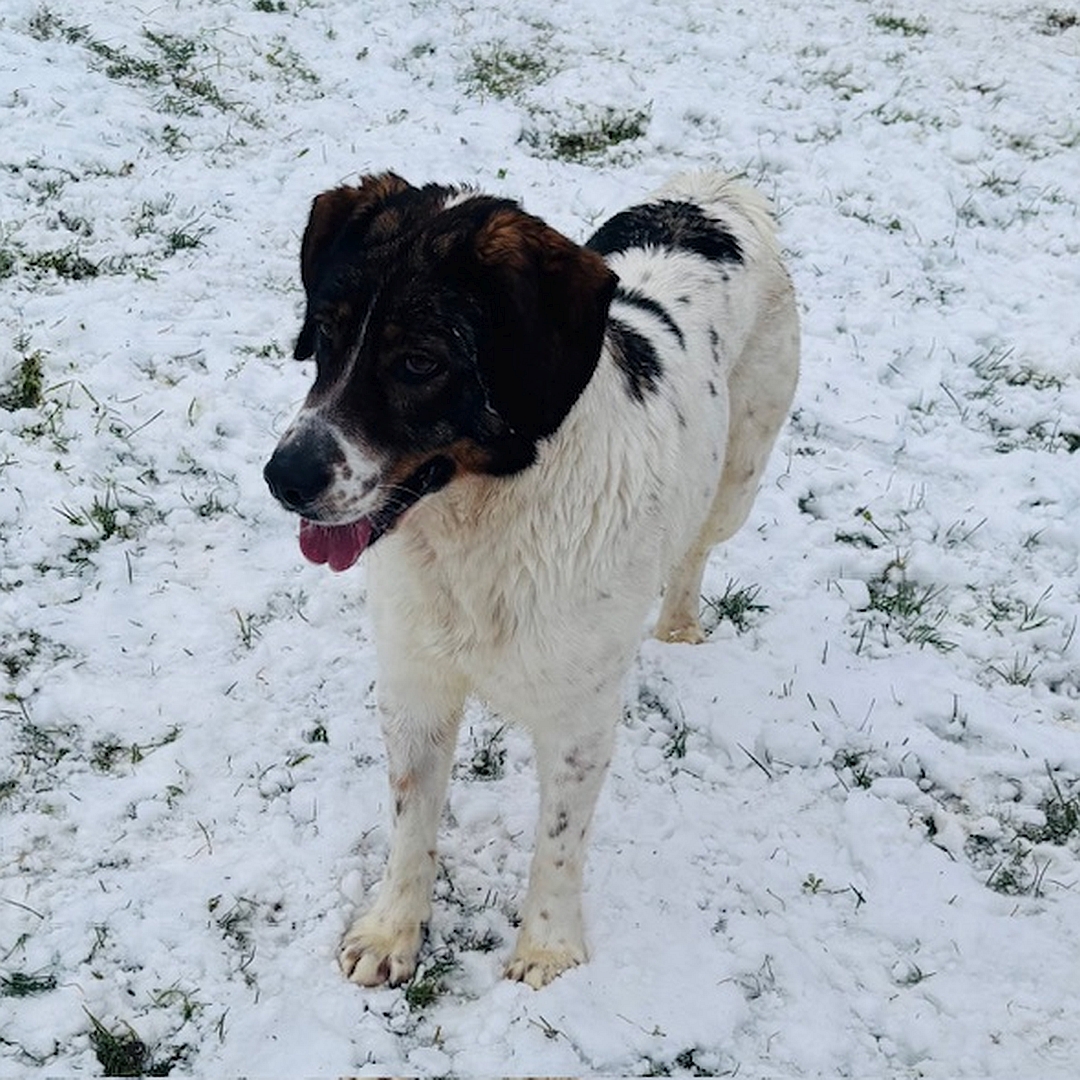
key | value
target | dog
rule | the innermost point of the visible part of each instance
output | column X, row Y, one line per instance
column 531, row 439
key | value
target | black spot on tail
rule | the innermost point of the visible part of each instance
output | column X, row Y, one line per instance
column 677, row 226
column 636, row 358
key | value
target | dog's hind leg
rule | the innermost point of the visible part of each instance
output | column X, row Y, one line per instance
column 420, row 717
column 760, row 388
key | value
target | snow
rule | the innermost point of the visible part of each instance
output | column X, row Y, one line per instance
column 825, row 846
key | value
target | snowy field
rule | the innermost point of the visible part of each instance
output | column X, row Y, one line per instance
column 841, row 838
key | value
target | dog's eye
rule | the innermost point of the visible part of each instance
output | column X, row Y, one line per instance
column 417, row 368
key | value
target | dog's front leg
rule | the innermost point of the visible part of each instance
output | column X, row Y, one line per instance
column 420, row 732
column 572, row 764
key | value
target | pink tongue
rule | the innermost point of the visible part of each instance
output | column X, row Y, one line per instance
column 339, row 546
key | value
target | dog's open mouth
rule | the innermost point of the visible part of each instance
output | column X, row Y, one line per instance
column 339, row 546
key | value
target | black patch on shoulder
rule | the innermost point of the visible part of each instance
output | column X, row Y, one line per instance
column 636, row 358
column 677, row 226
column 639, row 300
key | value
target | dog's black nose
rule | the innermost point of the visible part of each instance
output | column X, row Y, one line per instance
column 300, row 470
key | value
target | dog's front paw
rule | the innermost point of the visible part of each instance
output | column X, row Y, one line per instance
column 377, row 950
column 536, row 965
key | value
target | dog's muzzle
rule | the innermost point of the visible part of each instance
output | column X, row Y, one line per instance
column 301, row 469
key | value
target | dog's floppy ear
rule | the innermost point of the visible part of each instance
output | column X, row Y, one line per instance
column 330, row 212
column 547, row 308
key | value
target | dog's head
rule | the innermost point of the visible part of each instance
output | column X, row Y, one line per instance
column 451, row 332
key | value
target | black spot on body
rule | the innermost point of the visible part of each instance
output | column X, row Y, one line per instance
column 669, row 224
column 636, row 359
column 579, row 768
column 634, row 298
column 714, row 344
column 562, row 822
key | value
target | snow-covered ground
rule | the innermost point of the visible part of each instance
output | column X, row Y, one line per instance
column 842, row 838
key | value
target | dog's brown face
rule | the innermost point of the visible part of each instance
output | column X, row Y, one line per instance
column 451, row 332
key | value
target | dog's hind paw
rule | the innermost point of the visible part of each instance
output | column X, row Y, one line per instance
column 375, row 952
column 683, row 632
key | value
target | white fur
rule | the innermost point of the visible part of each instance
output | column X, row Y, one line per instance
column 530, row 591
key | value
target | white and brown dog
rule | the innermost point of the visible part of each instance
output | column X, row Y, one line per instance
column 534, row 438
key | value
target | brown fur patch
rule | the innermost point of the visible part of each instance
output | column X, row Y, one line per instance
column 332, row 209
column 518, row 241
column 465, row 454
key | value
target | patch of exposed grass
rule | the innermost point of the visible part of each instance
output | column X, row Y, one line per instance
column 1010, row 878
column 1015, row 861
column 661, row 715
column 488, row 761
column 737, row 604
column 235, row 925
column 988, row 405
column 67, row 263
column 1058, row 21
column 1061, row 811
column 913, row 611
column 120, row 1052
column 25, row 388
column 39, row 748
column 273, row 350
column 1018, row 615
column 290, row 64
column 596, row 135
column 184, row 236
column 9, row 260
column 429, row 982
column 853, row 768
column 893, row 113
column 107, row 753
column 897, row 24
column 19, row 984
column 170, row 63
column 104, row 518
column 693, row 1061
column 1018, row 673
column 19, row 651
column 501, row 72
